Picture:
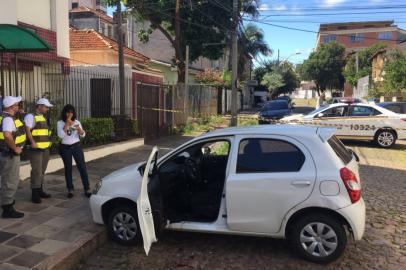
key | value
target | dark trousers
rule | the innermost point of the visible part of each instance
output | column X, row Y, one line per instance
column 75, row 151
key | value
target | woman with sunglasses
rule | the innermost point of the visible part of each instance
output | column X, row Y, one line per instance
column 70, row 131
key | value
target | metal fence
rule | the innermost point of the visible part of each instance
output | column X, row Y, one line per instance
column 151, row 110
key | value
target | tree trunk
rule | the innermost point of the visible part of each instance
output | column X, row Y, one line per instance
column 180, row 63
column 181, row 71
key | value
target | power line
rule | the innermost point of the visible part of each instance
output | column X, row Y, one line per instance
column 316, row 32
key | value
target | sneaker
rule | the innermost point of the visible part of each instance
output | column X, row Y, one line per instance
column 88, row 194
column 70, row 195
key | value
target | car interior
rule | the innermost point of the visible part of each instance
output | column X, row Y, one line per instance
column 191, row 182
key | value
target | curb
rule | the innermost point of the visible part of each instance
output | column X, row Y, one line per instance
column 55, row 163
column 69, row 258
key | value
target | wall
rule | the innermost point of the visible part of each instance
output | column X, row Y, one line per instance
column 60, row 24
column 36, row 12
column 8, row 11
column 98, row 57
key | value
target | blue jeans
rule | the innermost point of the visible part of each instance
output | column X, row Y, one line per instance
column 75, row 151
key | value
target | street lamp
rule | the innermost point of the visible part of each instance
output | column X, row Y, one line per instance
column 296, row 53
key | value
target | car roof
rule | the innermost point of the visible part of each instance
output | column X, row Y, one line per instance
column 390, row 103
column 277, row 101
column 279, row 129
column 376, row 107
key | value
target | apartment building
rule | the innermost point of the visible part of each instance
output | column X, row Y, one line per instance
column 359, row 35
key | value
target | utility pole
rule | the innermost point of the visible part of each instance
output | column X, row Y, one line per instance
column 186, row 77
column 234, row 65
column 120, row 57
column 356, row 62
column 278, row 58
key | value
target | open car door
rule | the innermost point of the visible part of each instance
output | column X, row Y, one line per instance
column 143, row 205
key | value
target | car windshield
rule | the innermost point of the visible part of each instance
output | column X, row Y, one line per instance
column 275, row 105
column 317, row 110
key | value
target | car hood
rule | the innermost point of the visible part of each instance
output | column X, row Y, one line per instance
column 125, row 173
column 293, row 117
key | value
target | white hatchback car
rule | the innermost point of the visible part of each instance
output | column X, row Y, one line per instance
column 281, row 181
column 358, row 121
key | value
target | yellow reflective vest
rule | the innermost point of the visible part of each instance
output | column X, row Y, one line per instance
column 19, row 135
column 40, row 132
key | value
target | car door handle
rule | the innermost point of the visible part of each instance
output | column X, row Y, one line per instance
column 301, row 183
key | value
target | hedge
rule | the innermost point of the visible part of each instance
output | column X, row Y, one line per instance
column 97, row 130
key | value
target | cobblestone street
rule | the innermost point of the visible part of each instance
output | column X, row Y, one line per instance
column 383, row 245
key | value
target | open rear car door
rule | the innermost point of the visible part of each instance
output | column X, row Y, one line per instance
column 143, row 205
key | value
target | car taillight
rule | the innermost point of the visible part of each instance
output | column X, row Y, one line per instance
column 351, row 184
column 403, row 119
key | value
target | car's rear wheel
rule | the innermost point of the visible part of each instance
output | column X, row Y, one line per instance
column 318, row 238
column 385, row 138
column 123, row 226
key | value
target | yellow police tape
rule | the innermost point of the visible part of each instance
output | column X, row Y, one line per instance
column 293, row 121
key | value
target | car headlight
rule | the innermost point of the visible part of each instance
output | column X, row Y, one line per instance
column 97, row 187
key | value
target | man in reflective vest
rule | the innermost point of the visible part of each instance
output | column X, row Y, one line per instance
column 12, row 140
column 39, row 136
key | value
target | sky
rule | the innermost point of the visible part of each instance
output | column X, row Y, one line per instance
column 308, row 14
column 296, row 14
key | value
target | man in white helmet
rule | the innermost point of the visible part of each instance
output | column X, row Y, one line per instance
column 12, row 140
column 39, row 136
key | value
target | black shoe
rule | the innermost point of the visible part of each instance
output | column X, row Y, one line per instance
column 36, row 198
column 10, row 212
column 43, row 194
column 88, row 194
column 70, row 195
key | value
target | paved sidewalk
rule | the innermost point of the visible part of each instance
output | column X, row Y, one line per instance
column 59, row 232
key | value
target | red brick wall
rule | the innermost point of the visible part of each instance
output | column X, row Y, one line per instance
column 369, row 39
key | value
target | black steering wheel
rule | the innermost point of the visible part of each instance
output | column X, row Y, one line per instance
column 192, row 172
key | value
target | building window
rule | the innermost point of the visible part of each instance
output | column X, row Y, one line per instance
column 385, row 35
column 109, row 31
column 102, row 28
column 329, row 38
column 75, row 5
column 358, row 37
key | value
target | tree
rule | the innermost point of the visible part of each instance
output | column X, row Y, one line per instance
column 277, row 77
column 251, row 44
column 273, row 81
column 395, row 73
column 189, row 23
column 325, row 67
column 364, row 63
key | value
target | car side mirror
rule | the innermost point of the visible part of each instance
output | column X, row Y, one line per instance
column 320, row 115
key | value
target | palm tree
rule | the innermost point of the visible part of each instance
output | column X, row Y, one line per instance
column 251, row 44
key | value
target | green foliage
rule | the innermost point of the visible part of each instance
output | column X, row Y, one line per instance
column 395, row 73
column 98, row 130
column 134, row 127
column 277, row 77
column 364, row 63
column 201, row 23
column 325, row 66
column 272, row 80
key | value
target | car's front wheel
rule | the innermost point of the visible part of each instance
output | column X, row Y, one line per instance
column 123, row 226
column 318, row 238
column 385, row 138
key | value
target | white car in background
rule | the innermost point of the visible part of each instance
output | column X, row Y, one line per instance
column 281, row 181
column 358, row 121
